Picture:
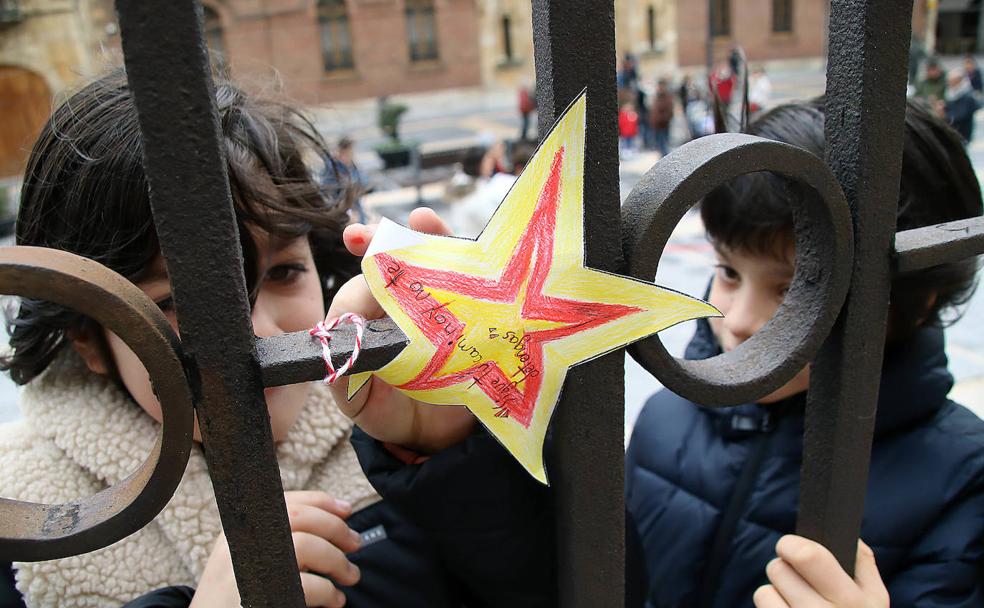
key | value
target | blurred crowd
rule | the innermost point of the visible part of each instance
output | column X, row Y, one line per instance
column 648, row 106
column 955, row 94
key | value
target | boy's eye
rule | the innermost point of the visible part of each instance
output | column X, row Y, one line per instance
column 285, row 273
column 727, row 273
column 166, row 304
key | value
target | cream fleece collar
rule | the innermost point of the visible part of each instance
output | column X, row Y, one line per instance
column 98, row 427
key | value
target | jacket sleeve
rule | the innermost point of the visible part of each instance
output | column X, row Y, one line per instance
column 946, row 568
column 168, row 597
column 491, row 522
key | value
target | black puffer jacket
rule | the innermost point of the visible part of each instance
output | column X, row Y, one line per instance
column 482, row 533
column 924, row 510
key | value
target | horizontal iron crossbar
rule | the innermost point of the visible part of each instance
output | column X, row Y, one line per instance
column 940, row 244
column 297, row 357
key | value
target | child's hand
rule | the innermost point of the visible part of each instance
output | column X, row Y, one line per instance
column 806, row 574
column 321, row 539
column 380, row 410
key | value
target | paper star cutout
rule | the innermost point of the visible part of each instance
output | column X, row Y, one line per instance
column 495, row 323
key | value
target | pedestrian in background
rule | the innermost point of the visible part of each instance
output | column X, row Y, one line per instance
column 642, row 109
column 759, row 91
column 960, row 103
column 722, row 83
column 932, row 88
column 527, row 105
column 342, row 175
column 973, row 74
column 628, row 128
column 684, row 92
column 661, row 116
column 627, row 81
column 917, row 53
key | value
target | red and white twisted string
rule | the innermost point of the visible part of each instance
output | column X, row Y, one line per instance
column 322, row 331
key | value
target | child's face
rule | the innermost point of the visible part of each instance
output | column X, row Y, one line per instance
column 289, row 299
column 748, row 289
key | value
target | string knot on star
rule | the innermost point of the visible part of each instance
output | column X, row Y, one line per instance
column 322, row 331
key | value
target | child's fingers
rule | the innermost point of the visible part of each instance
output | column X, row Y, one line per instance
column 357, row 236
column 867, row 576
column 766, row 596
column 354, row 296
column 794, row 590
column 315, row 554
column 819, row 568
column 321, row 500
column 424, row 219
column 319, row 591
column 305, row 518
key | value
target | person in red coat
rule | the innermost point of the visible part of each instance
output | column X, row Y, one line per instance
column 628, row 127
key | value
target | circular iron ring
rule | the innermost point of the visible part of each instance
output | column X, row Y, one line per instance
column 33, row 532
column 824, row 253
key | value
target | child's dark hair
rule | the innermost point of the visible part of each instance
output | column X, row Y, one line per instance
column 85, row 192
column 752, row 213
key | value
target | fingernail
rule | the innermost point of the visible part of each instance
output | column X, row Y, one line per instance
column 356, row 538
column 344, row 505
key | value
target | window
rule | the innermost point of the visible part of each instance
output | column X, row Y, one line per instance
column 651, row 25
column 507, row 49
column 782, row 15
column 721, row 17
column 421, row 30
column 214, row 40
column 336, row 42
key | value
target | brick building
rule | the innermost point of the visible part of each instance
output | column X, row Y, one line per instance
column 644, row 28
column 329, row 50
column 765, row 29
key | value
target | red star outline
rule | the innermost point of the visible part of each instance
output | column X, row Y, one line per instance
column 408, row 285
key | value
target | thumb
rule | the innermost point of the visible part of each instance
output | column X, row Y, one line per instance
column 866, row 574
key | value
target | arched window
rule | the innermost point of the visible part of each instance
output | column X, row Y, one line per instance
column 336, row 41
column 214, row 40
column 421, row 30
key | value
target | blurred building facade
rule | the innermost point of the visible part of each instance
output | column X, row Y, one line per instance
column 45, row 46
column 766, row 30
column 330, row 50
column 645, row 29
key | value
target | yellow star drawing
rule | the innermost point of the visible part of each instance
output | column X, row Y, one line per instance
column 495, row 323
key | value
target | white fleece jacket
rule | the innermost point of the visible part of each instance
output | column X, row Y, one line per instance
column 80, row 433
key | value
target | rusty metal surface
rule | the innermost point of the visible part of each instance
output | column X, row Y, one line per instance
column 865, row 110
column 574, row 47
column 792, row 337
column 168, row 71
column 939, row 244
column 297, row 357
column 32, row 532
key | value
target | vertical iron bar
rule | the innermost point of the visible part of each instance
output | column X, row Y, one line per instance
column 168, row 70
column 865, row 110
column 574, row 42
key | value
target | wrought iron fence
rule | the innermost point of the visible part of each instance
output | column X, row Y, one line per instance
column 834, row 314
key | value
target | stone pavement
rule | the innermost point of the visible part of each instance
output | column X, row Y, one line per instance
column 476, row 116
